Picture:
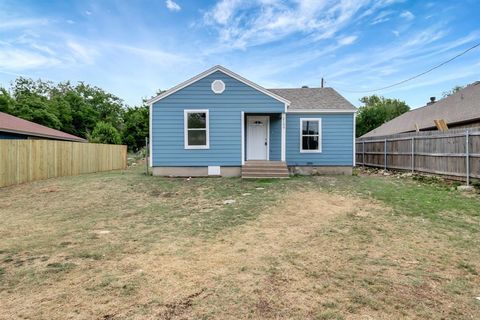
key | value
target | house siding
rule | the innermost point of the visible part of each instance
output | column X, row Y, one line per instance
column 224, row 116
column 337, row 140
column 275, row 138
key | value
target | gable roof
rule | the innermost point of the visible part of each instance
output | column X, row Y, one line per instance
column 12, row 124
column 314, row 99
column 209, row 72
column 462, row 106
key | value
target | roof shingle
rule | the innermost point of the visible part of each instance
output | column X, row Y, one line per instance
column 314, row 98
column 14, row 124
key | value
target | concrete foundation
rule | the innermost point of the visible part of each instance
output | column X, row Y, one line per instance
column 319, row 170
column 194, row 171
column 237, row 171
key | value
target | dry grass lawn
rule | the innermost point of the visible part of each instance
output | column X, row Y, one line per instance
column 122, row 245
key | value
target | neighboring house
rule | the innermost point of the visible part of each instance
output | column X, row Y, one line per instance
column 15, row 128
column 459, row 110
column 219, row 123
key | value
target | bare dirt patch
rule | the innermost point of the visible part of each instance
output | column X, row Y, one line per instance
column 238, row 269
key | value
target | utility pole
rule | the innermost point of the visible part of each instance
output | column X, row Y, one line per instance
column 322, row 83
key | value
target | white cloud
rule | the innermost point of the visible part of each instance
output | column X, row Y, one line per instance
column 82, row 53
column 396, row 33
column 383, row 16
column 267, row 70
column 382, row 65
column 172, row 6
column 399, row 55
column 407, row 15
column 222, row 12
column 21, row 23
column 18, row 59
column 69, row 21
column 42, row 48
column 344, row 41
column 88, row 12
column 241, row 24
column 151, row 55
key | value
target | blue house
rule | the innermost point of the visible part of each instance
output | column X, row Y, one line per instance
column 219, row 123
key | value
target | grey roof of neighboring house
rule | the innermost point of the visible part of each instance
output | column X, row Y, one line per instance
column 314, row 98
column 462, row 106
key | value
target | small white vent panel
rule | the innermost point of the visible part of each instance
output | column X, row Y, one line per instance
column 213, row 170
column 218, row 86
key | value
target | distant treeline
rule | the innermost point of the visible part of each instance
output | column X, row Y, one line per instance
column 82, row 110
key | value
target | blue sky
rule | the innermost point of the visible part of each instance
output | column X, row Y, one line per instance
column 133, row 48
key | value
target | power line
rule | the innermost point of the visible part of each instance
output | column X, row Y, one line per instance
column 418, row 75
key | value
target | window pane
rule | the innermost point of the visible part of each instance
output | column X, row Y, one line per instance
column 310, row 143
column 310, row 127
column 197, row 137
column 197, row 120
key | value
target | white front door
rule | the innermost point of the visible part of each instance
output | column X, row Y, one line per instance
column 257, row 137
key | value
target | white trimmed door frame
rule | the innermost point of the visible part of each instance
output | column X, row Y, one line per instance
column 284, row 136
column 267, row 135
column 243, row 137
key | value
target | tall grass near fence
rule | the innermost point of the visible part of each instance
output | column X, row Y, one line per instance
column 455, row 153
column 29, row 160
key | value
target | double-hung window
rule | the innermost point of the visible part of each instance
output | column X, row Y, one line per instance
column 196, row 129
column 310, row 135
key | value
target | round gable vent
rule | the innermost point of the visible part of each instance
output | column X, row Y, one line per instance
column 218, row 86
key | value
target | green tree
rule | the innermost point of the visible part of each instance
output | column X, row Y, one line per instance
column 73, row 109
column 108, row 107
column 135, row 127
column 81, row 109
column 84, row 116
column 452, row 91
column 6, row 101
column 32, row 102
column 105, row 132
column 376, row 111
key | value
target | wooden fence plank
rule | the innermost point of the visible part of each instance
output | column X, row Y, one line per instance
column 29, row 160
column 443, row 153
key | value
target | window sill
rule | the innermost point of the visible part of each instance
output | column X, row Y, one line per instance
column 196, row 147
column 310, row 151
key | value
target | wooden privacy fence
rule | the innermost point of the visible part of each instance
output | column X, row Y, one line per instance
column 30, row 160
column 455, row 153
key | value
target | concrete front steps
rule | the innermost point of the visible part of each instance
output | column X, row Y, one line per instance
column 257, row 169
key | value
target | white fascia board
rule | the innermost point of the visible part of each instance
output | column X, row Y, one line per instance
column 227, row 72
column 321, row 111
column 354, row 140
column 150, row 135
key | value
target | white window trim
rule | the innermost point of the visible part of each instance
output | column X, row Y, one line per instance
column 185, row 128
column 319, row 120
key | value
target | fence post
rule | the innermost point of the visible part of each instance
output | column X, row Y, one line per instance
column 363, row 153
column 467, row 157
column 385, row 155
column 147, row 155
column 413, row 154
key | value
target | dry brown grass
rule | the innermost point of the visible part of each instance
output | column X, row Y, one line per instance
column 104, row 248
